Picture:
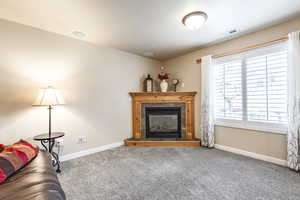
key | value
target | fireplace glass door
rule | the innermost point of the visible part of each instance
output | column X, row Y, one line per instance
column 163, row 122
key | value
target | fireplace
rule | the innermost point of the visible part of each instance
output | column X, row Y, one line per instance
column 163, row 122
column 163, row 119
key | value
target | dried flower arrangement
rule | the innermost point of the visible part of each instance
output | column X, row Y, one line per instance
column 163, row 75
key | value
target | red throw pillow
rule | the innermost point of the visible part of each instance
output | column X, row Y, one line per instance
column 2, row 146
column 2, row 176
column 14, row 157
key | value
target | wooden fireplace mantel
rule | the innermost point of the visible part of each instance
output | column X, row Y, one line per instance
column 138, row 98
column 135, row 94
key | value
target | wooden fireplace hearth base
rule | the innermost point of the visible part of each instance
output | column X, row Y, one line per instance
column 147, row 142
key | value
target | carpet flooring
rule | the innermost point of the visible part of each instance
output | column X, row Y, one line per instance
column 176, row 173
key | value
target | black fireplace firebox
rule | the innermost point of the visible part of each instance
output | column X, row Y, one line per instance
column 163, row 122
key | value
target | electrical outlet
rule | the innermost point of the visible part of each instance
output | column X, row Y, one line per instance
column 82, row 140
column 59, row 142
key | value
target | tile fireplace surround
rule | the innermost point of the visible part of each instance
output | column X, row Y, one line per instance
column 182, row 100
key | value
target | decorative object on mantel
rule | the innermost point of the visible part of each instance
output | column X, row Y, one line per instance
column 163, row 77
column 175, row 82
column 164, row 85
column 148, row 84
column 182, row 84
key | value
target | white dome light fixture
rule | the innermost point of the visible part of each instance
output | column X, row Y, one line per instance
column 194, row 20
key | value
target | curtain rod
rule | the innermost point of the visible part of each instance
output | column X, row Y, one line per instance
column 236, row 51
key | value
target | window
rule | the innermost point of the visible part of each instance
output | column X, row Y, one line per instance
column 251, row 89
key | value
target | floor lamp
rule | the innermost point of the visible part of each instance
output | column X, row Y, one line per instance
column 49, row 97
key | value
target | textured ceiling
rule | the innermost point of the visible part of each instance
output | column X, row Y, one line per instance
column 149, row 27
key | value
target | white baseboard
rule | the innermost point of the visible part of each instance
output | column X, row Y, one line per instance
column 217, row 146
column 252, row 155
column 90, row 151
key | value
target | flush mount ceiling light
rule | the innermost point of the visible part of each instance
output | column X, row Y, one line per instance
column 78, row 34
column 194, row 20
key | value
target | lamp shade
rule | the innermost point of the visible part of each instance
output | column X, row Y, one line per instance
column 49, row 97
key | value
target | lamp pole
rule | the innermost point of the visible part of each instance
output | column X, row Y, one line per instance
column 50, row 146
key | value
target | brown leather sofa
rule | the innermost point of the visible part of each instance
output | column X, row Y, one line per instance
column 36, row 181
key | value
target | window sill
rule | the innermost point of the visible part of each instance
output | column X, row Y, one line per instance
column 256, row 126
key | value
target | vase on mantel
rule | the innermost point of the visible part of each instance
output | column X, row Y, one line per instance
column 164, row 85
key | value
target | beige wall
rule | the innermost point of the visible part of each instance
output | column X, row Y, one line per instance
column 185, row 68
column 95, row 82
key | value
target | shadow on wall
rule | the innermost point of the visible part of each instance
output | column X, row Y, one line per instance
column 92, row 107
column 19, row 88
column 17, row 95
column 101, row 101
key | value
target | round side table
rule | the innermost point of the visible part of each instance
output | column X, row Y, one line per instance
column 45, row 139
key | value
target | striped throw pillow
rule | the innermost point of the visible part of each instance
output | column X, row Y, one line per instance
column 14, row 157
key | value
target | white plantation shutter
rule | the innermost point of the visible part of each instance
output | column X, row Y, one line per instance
column 252, row 87
column 229, row 90
column 277, row 87
column 267, row 87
